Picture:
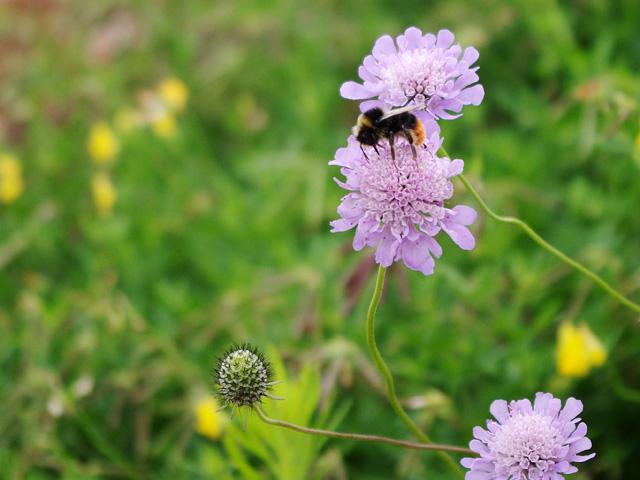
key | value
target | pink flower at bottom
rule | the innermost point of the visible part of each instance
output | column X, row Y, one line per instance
column 529, row 442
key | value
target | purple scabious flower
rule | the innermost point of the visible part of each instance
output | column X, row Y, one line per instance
column 399, row 206
column 426, row 71
column 529, row 442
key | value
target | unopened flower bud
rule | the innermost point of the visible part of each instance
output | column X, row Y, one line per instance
column 243, row 376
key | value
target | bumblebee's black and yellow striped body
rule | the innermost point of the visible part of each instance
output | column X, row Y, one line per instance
column 375, row 125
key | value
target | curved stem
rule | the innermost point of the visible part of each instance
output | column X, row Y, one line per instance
column 386, row 373
column 595, row 278
column 361, row 436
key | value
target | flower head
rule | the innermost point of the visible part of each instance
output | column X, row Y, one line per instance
column 423, row 70
column 578, row 350
column 243, row 376
column 11, row 183
column 398, row 205
column 104, row 193
column 103, row 145
column 209, row 421
column 529, row 442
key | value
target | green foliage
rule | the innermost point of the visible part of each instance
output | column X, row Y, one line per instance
column 220, row 234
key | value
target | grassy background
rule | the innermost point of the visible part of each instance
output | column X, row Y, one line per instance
column 221, row 234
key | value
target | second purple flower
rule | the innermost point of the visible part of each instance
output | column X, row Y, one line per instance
column 426, row 71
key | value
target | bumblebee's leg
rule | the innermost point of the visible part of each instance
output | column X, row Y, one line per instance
column 407, row 133
column 375, row 147
column 363, row 152
column 393, row 150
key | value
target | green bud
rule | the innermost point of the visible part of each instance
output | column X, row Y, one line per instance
column 243, row 376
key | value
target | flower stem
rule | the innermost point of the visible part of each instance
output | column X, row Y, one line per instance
column 595, row 278
column 361, row 436
column 386, row 373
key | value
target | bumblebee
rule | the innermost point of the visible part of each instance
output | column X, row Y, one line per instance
column 375, row 125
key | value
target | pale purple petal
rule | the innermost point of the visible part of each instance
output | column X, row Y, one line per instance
column 434, row 246
column 460, row 234
column 411, row 39
column 580, row 445
column 384, row 46
column 386, row 252
column 500, row 410
column 553, row 407
column 571, row 410
column 582, row 458
column 469, row 78
column 478, row 446
column 464, row 215
column 415, row 254
column 455, row 168
column 467, row 462
column 349, row 207
column 541, row 401
column 565, row 467
column 480, row 433
column 579, row 432
column 354, row 91
column 366, row 75
column 365, row 226
column 470, row 55
column 445, row 39
column 343, row 224
column 344, row 185
column 478, row 475
column 472, row 95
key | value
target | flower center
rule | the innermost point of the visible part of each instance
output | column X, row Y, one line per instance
column 526, row 442
column 415, row 75
column 404, row 192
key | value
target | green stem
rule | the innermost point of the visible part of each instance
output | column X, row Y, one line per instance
column 595, row 278
column 386, row 373
column 361, row 436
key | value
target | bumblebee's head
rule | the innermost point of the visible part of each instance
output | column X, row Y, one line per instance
column 366, row 135
column 365, row 128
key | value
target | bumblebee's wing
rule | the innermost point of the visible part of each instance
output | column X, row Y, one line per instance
column 396, row 111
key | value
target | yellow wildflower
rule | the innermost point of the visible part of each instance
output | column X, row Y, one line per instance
column 208, row 420
column 102, row 144
column 11, row 184
column 578, row 350
column 104, row 193
column 174, row 93
column 165, row 126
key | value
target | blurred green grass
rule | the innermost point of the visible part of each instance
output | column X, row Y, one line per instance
column 221, row 233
